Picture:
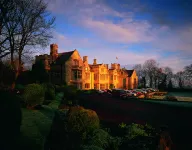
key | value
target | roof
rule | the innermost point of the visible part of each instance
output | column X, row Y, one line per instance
column 63, row 57
column 94, row 65
column 130, row 72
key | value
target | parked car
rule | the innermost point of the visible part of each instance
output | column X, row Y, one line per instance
column 142, row 91
column 137, row 92
column 130, row 93
column 119, row 93
column 100, row 91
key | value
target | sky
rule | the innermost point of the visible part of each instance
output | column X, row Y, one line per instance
column 131, row 30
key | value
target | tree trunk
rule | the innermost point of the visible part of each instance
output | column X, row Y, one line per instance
column 151, row 81
column 17, row 71
column 155, row 82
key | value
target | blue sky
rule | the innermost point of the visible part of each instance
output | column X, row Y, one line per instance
column 132, row 30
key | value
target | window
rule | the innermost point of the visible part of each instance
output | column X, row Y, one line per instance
column 106, row 76
column 111, row 77
column 76, row 62
column 124, row 83
column 76, row 74
column 87, row 85
column 87, row 75
column 115, row 77
column 95, row 86
column 95, row 77
column 102, row 86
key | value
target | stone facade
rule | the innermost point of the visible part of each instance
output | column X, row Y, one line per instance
column 69, row 68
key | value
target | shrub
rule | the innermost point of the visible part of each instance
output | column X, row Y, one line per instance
column 33, row 94
column 70, row 92
column 82, row 121
column 10, row 120
column 99, row 138
column 102, row 139
column 139, row 137
column 135, row 130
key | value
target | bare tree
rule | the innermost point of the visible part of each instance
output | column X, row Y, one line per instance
column 168, row 73
column 34, row 25
column 29, row 26
column 140, row 73
column 7, row 8
column 179, row 76
column 150, row 66
column 188, row 70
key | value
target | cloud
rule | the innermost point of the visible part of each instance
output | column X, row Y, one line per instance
column 112, row 27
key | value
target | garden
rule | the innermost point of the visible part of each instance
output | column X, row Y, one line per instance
column 43, row 116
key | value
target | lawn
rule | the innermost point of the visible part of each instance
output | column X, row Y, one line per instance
column 182, row 96
column 176, row 115
column 36, row 125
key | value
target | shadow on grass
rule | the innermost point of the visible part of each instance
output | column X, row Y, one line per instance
column 175, row 115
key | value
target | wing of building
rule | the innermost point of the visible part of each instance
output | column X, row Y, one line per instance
column 69, row 68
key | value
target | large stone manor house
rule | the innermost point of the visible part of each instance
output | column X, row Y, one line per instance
column 70, row 68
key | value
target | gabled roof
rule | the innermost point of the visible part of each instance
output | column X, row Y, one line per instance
column 130, row 72
column 63, row 57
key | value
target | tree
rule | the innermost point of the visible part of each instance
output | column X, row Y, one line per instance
column 170, row 85
column 7, row 27
column 188, row 70
column 34, row 25
column 139, row 70
column 150, row 66
column 39, row 74
column 179, row 76
column 28, row 27
column 169, row 73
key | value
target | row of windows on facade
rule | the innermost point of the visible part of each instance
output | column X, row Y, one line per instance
column 78, row 74
column 105, row 77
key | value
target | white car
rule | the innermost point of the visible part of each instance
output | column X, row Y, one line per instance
column 100, row 91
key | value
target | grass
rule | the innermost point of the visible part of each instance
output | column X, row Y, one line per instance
column 171, row 103
column 182, row 96
column 36, row 125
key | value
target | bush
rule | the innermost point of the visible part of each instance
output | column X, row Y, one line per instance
column 99, row 138
column 139, row 137
column 102, row 139
column 70, row 92
column 82, row 121
column 10, row 120
column 33, row 94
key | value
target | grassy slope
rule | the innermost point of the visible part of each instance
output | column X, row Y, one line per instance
column 36, row 125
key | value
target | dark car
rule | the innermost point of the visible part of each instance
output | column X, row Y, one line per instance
column 119, row 93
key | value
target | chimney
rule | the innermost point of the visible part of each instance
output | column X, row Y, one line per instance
column 119, row 67
column 106, row 65
column 94, row 61
column 85, row 59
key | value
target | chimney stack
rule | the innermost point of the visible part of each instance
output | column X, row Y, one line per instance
column 94, row 61
column 85, row 59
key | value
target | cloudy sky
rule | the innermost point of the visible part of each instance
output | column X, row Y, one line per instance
column 132, row 30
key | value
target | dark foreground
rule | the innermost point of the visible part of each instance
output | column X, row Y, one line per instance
column 113, row 111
